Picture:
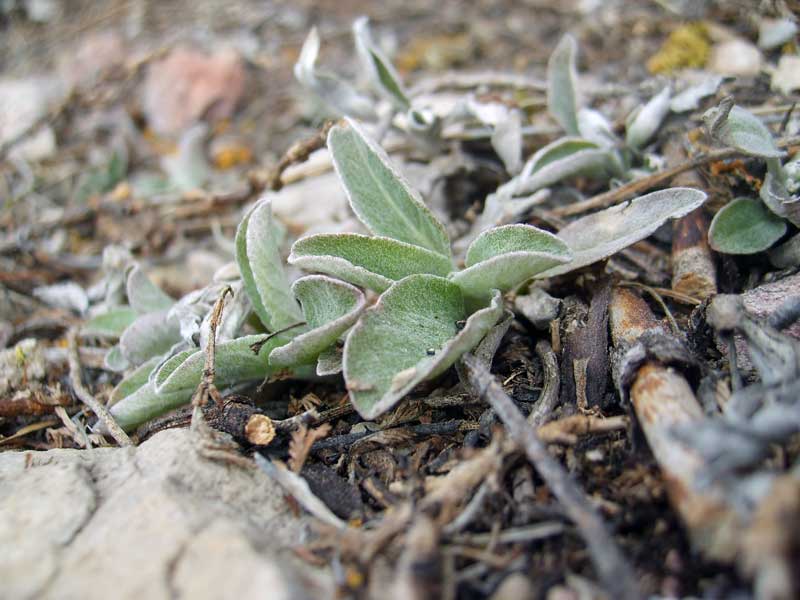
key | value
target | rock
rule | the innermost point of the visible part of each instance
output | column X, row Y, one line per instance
column 157, row 521
column 786, row 78
column 188, row 85
column 22, row 103
column 735, row 58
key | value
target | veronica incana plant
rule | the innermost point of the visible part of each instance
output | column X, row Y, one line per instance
column 428, row 312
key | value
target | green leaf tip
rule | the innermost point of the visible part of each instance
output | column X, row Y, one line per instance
column 380, row 197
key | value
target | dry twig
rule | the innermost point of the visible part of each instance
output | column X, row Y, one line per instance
column 86, row 397
column 612, row 567
column 639, row 186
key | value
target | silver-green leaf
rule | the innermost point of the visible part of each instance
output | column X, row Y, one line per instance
column 644, row 124
column 144, row 296
column 562, row 98
column 260, row 263
column 415, row 332
column 133, row 380
column 145, row 404
column 336, row 94
column 369, row 262
column 329, row 362
column 741, row 130
column 744, row 226
column 331, row 307
column 235, row 361
column 384, row 77
column 504, row 257
column 599, row 235
column 559, row 160
column 381, row 198
column 152, row 334
column 111, row 324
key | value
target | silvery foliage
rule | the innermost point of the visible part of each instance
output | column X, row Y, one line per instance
column 428, row 313
column 590, row 147
column 745, row 226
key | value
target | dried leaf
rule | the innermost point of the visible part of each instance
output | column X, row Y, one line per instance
column 300, row 444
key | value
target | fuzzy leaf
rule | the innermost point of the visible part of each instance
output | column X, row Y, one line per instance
column 133, row 380
column 594, row 127
column 513, row 238
column 114, row 361
column 506, row 124
column 145, row 404
column 562, row 100
column 775, row 193
column 383, row 74
column 329, row 362
column 152, row 334
column 599, row 235
column 744, row 226
column 234, row 362
column 566, row 157
column 381, row 198
column 260, row 263
column 410, row 335
column 110, row 324
column 689, row 99
column 145, row 296
column 645, row 122
column 370, row 262
column 504, row 257
column 338, row 95
column 331, row 307
column 742, row 130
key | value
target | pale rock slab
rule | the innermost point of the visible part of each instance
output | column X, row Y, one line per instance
column 157, row 521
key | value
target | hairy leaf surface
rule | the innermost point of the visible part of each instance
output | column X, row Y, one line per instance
column 370, row 262
column 144, row 296
column 415, row 332
column 599, row 235
column 744, row 226
column 260, row 263
column 562, row 98
column 383, row 74
column 331, row 307
column 381, row 198
column 110, row 324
